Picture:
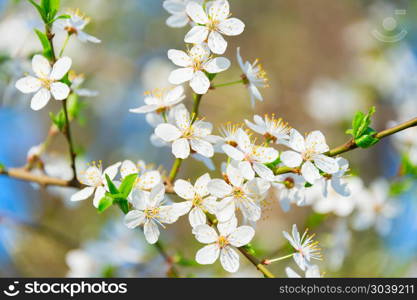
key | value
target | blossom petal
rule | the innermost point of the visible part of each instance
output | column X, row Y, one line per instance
column 134, row 218
column 40, row 99
column 291, row 159
column 196, row 35
column 227, row 227
column 167, row 132
column 265, row 154
column 232, row 26
column 326, row 164
column 111, row 171
column 219, row 10
column 208, row 254
column 83, row 194
column 184, row 189
column 28, row 84
column 202, row 129
column 200, row 83
column 149, row 180
column 180, row 58
column 60, row 90
column 181, row 75
column 233, row 152
column 296, row 141
column 246, row 170
column 263, row 171
column 127, row 168
column 175, row 95
column 229, row 259
column 241, row 236
column 151, row 232
column 315, row 140
column 99, row 194
column 219, row 188
column 310, row 172
column 217, row 43
column 205, row 234
column 196, row 13
column 250, row 210
column 202, row 147
column 60, row 68
column 200, row 185
column 177, row 20
column 217, row 65
column 225, row 209
column 41, row 66
column 181, row 148
column 197, row 217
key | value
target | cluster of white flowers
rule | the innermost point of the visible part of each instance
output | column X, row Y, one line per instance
column 285, row 162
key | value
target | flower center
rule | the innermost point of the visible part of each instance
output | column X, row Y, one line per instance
column 197, row 201
column 238, row 193
column 308, row 155
column 289, row 183
column 213, row 24
column 46, row 82
column 222, row 242
column 151, row 213
column 71, row 30
column 188, row 133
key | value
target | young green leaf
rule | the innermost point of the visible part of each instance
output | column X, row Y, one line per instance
column 46, row 45
column 41, row 11
column 127, row 184
column 105, row 203
column 58, row 120
column 112, row 188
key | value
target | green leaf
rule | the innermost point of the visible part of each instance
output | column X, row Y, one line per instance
column 58, row 120
column 123, row 205
column 368, row 139
column 75, row 106
column 59, row 18
column 127, row 184
column 41, row 11
column 112, row 188
column 50, row 7
column 2, row 167
column 46, row 44
column 105, row 203
column 365, row 122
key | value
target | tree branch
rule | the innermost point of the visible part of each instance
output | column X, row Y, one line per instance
column 350, row 145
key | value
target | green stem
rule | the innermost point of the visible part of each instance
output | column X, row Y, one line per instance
column 64, row 45
column 196, row 106
column 67, row 133
column 227, row 83
column 175, row 168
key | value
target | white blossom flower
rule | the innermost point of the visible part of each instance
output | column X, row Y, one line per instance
column 290, row 188
column 185, row 134
column 250, row 158
column 376, row 208
column 312, row 271
column 147, row 178
column 160, row 100
column 222, row 244
column 46, row 81
column 309, row 153
column 275, row 130
column 76, row 81
column 335, row 180
column 176, row 8
column 335, row 203
column 96, row 182
column 197, row 197
column 305, row 246
column 236, row 194
column 193, row 65
column 254, row 77
column 211, row 24
column 150, row 211
column 75, row 24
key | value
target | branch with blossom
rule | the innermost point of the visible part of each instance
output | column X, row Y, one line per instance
column 222, row 211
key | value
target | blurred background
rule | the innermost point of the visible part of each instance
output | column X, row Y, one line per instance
column 325, row 60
